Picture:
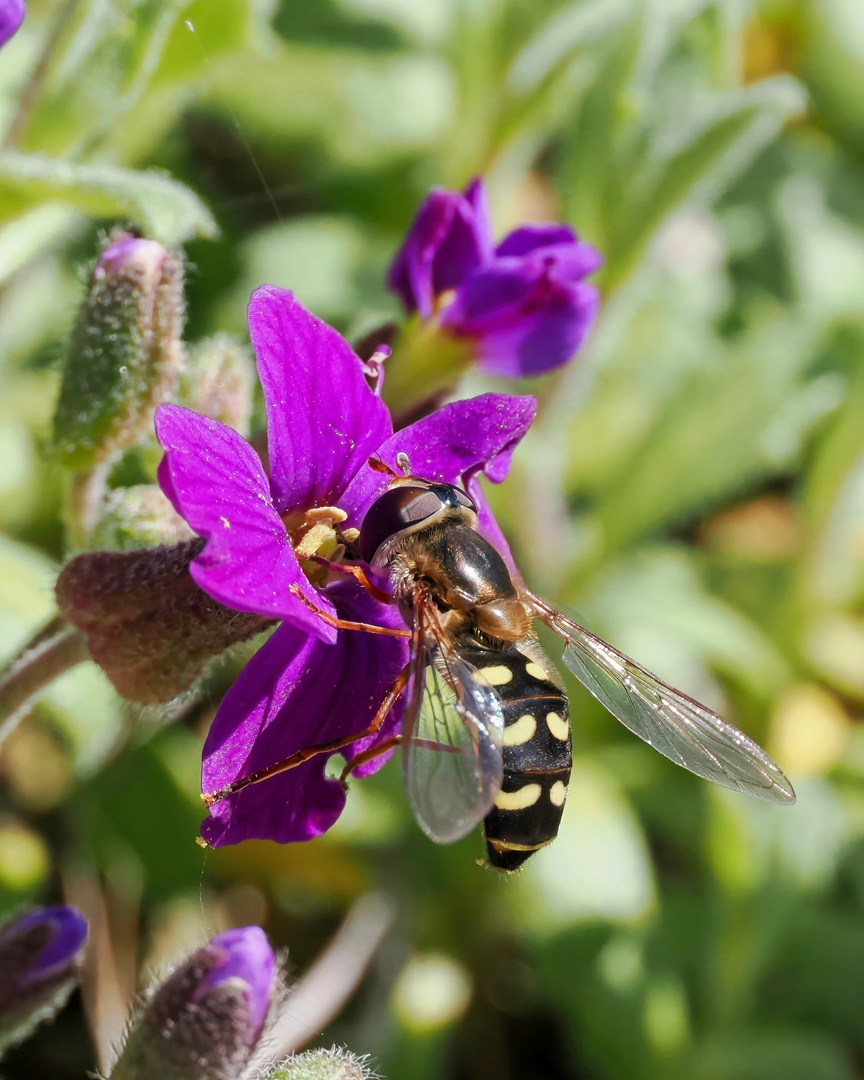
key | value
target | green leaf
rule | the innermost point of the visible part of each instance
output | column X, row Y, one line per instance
column 738, row 416
column 164, row 209
column 105, row 60
column 565, row 34
column 701, row 158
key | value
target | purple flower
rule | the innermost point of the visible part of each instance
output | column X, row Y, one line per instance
column 523, row 306
column 307, row 685
column 12, row 14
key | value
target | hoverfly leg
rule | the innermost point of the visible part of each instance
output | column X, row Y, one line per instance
column 345, row 624
column 367, row 755
column 358, row 572
column 387, row 703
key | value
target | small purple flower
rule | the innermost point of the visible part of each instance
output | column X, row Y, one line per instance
column 306, row 685
column 523, row 305
column 12, row 14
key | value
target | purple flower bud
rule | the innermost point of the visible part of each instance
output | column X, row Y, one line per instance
column 519, row 309
column 150, row 628
column 12, row 14
column 124, row 356
column 127, row 252
column 39, row 955
column 246, row 958
column 205, row 1021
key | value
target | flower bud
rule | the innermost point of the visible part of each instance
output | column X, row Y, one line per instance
column 138, row 517
column 125, row 352
column 39, row 955
column 218, row 381
column 148, row 625
column 12, row 14
column 206, row 1020
column 332, row 1064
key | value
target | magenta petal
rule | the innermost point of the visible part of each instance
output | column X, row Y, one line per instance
column 524, row 317
column 462, row 437
column 527, row 238
column 12, row 14
column 540, row 339
column 216, row 481
column 556, row 244
column 294, row 693
column 323, row 420
column 449, row 237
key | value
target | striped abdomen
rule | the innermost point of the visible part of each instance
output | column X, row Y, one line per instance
column 537, row 756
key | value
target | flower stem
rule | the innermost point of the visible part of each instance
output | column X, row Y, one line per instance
column 425, row 361
column 30, row 93
column 87, row 502
column 55, row 649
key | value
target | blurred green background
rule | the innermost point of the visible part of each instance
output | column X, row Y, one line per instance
column 694, row 488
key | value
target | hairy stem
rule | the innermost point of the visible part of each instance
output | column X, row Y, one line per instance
column 55, row 649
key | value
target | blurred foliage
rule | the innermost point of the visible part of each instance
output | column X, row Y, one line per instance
column 694, row 486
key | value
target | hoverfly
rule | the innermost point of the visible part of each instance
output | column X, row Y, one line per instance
column 486, row 727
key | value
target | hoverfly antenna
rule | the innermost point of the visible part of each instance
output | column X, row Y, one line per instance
column 403, row 462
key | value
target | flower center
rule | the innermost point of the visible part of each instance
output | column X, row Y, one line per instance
column 313, row 533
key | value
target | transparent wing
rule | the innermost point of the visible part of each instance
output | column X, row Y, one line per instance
column 673, row 723
column 452, row 736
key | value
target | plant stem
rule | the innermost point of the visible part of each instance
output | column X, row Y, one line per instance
column 55, row 649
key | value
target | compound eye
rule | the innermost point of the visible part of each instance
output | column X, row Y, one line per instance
column 466, row 501
column 419, row 507
column 397, row 509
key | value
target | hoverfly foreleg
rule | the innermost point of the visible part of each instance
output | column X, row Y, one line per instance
column 345, row 624
column 367, row 755
column 387, row 703
column 358, row 572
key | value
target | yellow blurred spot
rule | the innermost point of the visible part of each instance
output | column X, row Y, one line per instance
column 665, row 1019
column 620, row 963
column 431, row 991
column 765, row 530
column 810, row 730
column 766, row 49
column 23, row 857
column 38, row 771
column 835, row 645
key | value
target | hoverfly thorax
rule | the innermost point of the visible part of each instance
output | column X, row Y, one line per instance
column 424, row 531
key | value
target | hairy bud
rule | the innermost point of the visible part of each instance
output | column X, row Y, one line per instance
column 332, row 1064
column 218, row 381
column 125, row 352
column 148, row 625
column 205, row 1021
